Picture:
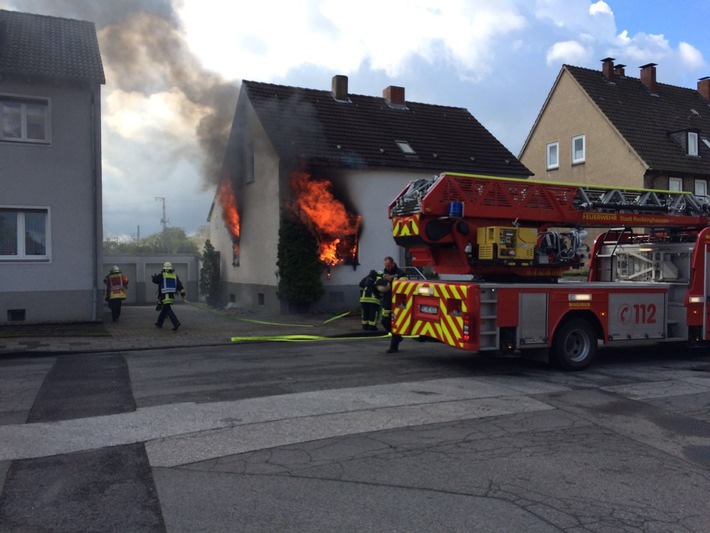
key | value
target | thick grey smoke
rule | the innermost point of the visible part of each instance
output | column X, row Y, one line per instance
column 144, row 50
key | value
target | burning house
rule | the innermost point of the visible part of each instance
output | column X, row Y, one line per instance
column 334, row 160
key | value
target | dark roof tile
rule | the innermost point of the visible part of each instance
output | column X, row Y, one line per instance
column 362, row 131
column 648, row 121
column 49, row 47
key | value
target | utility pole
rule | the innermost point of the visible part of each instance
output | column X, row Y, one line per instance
column 164, row 221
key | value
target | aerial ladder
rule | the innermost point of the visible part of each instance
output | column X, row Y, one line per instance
column 517, row 238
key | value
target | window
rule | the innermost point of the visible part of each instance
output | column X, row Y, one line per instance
column 405, row 147
column 701, row 187
column 675, row 184
column 578, row 149
column 693, row 143
column 24, row 234
column 24, row 120
column 553, row 155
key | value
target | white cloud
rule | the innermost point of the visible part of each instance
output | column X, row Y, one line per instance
column 248, row 42
column 571, row 52
column 691, row 56
column 600, row 8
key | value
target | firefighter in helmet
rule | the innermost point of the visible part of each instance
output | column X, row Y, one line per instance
column 116, row 290
column 169, row 286
column 389, row 274
column 370, row 301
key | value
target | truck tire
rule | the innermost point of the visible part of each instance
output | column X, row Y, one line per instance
column 574, row 345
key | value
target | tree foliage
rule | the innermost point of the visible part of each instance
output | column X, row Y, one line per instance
column 298, row 263
column 210, row 276
column 168, row 241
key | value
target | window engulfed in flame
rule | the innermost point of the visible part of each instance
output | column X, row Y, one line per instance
column 335, row 228
column 230, row 215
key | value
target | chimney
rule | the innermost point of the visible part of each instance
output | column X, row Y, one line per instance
column 394, row 95
column 340, row 87
column 619, row 71
column 704, row 87
column 608, row 68
column 648, row 77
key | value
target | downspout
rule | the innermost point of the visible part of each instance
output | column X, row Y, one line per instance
column 95, row 194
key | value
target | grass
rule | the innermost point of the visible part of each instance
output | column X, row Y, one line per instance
column 74, row 329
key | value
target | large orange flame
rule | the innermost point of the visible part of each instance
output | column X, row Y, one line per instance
column 335, row 228
column 230, row 215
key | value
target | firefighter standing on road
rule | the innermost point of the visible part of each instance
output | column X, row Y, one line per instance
column 168, row 286
column 116, row 285
column 370, row 301
column 391, row 273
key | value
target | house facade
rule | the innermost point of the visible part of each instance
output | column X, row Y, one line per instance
column 353, row 154
column 50, row 169
column 602, row 127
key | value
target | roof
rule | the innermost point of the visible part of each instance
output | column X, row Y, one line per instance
column 647, row 120
column 49, row 47
column 362, row 132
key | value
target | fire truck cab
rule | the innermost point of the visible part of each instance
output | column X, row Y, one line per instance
column 648, row 268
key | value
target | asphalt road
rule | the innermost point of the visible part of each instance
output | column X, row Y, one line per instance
column 338, row 436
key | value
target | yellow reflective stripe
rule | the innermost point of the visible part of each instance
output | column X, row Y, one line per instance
column 406, row 226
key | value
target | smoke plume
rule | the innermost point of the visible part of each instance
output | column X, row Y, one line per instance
column 144, row 51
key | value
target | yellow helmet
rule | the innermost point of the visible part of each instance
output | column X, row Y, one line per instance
column 168, row 266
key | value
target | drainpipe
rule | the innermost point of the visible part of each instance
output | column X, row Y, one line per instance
column 95, row 193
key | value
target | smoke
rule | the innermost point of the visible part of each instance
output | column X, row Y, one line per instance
column 145, row 52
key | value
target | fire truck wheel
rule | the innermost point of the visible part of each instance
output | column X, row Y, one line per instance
column 574, row 345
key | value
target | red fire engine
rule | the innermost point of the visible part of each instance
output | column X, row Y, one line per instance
column 516, row 238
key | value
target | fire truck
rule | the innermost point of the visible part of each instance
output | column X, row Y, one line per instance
column 515, row 242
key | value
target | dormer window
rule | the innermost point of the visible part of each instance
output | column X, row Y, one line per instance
column 693, row 143
column 405, row 147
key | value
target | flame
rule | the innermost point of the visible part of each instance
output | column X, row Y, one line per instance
column 230, row 215
column 336, row 229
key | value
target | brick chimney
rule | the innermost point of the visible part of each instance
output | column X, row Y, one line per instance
column 619, row 71
column 704, row 87
column 648, row 77
column 340, row 87
column 608, row 68
column 394, row 95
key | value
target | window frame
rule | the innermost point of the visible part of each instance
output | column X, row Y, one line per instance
column 693, row 144
column 20, row 242
column 704, row 184
column 548, row 150
column 579, row 160
column 678, row 181
column 24, row 101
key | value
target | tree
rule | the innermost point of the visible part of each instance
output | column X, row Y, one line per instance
column 210, row 276
column 168, row 241
column 298, row 263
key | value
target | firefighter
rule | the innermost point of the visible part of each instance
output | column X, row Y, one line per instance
column 116, row 286
column 390, row 273
column 168, row 286
column 370, row 301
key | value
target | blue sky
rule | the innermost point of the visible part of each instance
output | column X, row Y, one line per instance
column 167, row 61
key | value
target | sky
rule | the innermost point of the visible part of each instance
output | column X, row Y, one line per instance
column 173, row 71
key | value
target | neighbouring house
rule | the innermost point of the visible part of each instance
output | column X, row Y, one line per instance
column 607, row 128
column 336, row 160
column 50, row 169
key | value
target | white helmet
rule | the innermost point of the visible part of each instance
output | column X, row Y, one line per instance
column 168, row 266
column 115, row 270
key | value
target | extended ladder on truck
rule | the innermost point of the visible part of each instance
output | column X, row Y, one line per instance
column 649, row 272
column 441, row 220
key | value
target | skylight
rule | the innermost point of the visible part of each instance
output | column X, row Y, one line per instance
column 405, row 147
column 706, row 141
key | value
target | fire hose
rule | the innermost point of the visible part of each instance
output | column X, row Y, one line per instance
column 288, row 338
